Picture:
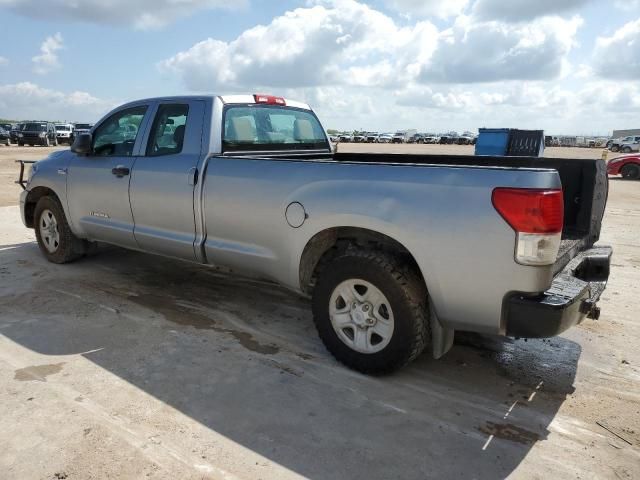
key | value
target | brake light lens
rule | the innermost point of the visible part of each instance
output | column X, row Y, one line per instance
column 537, row 216
column 530, row 210
column 269, row 99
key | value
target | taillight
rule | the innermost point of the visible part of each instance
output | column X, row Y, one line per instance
column 537, row 216
column 269, row 99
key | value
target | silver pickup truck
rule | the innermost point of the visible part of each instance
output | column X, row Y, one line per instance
column 395, row 251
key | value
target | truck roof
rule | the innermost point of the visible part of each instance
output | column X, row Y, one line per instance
column 226, row 99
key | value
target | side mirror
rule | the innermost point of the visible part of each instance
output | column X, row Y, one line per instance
column 82, row 144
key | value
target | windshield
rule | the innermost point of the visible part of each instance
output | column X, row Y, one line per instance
column 35, row 127
column 63, row 128
column 262, row 127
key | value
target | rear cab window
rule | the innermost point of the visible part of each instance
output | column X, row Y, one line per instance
column 268, row 128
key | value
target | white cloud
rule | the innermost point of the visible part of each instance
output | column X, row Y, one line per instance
column 523, row 10
column 429, row 8
column 335, row 42
column 343, row 42
column 471, row 52
column 48, row 58
column 628, row 5
column 27, row 100
column 618, row 56
column 141, row 14
column 3, row 61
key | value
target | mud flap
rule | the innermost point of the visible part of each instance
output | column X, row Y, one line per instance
column 441, row 337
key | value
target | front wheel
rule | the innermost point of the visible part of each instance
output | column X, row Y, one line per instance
column 615, row 148
column 55, row 238
column 370, row 312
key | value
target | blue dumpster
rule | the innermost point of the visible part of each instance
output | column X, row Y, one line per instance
column 492, row 141
column 510, row 142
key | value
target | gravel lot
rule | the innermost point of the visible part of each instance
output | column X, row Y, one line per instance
column 126, row 365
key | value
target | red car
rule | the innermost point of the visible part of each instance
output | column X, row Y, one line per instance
column 628, row 166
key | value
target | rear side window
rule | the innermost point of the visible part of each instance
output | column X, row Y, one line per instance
column 269, row 128
column 167, row 133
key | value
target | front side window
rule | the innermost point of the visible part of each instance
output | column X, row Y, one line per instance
column 269, row 128
column 167, row 133
column 117, row 135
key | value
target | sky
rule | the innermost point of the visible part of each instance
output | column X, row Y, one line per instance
column 565, row 66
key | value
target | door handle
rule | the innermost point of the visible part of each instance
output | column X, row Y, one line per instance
column 120, row 171
column 193, row 176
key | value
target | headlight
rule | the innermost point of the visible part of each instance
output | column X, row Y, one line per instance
column 20, row 135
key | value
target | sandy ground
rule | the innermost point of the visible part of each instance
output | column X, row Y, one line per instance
column 126, row 365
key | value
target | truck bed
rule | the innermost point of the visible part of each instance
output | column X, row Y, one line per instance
column 584, row 183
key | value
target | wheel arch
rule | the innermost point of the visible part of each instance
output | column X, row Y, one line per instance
column 31, row 201
column 330, row 240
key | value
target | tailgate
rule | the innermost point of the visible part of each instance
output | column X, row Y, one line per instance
column 585, row 186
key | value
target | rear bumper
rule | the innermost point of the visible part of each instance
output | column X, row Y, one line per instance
column 572, row 296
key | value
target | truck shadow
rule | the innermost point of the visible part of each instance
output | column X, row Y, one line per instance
column 241, row 357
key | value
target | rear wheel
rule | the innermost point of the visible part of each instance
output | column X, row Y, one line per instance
column 55, row 239
column 626, row 150
column 370, row 312
column 630, row 171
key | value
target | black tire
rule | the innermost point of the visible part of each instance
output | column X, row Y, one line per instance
column 615, row 148
column 405, row 293
column 21, row 144
column 630, row 171
column 626, row 150
column 69, row 246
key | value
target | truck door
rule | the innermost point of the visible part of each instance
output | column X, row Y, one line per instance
column 163, row 180
column 98, row 183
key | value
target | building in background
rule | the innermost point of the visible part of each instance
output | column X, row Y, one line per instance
column 625, row 133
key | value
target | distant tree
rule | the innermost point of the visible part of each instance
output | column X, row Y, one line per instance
column 332, row 131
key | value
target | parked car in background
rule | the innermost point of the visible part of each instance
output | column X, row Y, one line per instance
column 372, row 137
column 5, row 137
column 627, row 144
column 417, row 138
column 38, row 133
column 384, row 138
column 359, row 137
column 64, row 133
column 79, row 128
column 628, row 166
column 333, row 137
column 14, row 132
column 6, row 126
column 345, row 138
column 402, row 136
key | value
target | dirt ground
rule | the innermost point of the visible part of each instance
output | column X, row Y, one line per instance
column 126, row 365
